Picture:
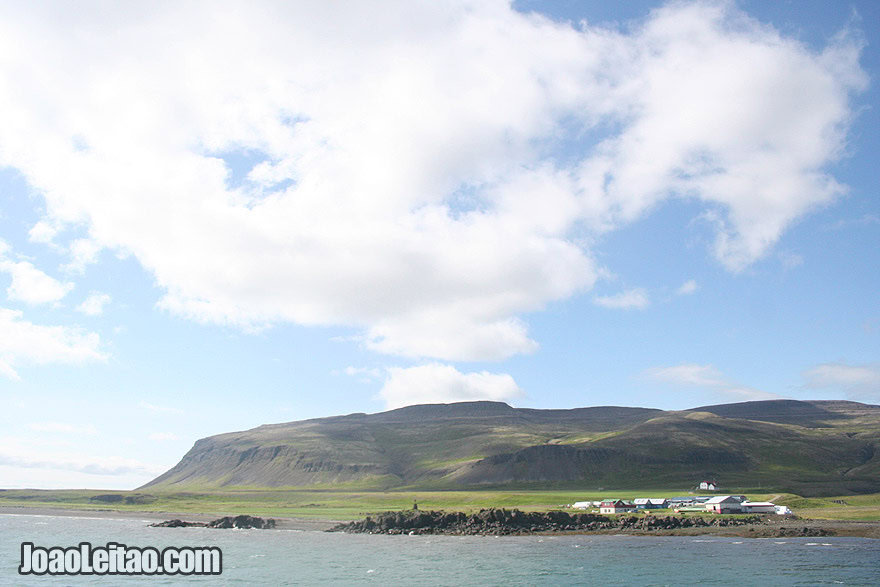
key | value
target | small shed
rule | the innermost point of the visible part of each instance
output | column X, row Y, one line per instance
column 758, row 507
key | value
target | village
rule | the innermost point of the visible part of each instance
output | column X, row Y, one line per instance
column 715, row 504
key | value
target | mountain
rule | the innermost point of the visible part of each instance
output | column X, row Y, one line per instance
column 806, row 447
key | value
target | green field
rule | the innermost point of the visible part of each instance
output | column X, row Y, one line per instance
column 347, row 505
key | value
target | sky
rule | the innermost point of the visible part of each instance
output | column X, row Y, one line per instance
column 220, row 215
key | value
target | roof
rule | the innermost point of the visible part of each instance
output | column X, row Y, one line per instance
column 721, row 499
column 649, row 500
column 758, row 503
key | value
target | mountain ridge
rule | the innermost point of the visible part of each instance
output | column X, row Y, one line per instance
column 810, row 447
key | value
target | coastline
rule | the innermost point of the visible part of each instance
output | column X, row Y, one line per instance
column 799, row 528
column 281, row 523
column 502, row 522
column 770, row 528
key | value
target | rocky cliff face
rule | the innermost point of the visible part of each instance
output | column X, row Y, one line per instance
column 834, row 449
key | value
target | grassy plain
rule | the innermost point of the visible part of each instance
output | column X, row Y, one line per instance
column 347, row 505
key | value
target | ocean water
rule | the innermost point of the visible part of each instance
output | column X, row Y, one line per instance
column 291, row 557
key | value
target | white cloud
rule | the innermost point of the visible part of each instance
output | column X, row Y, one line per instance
column 435, row 383
column 30, row 285
column 42, row 232
column 790, row 260
column 687, row 374
column 708, row 378
column 863, row 220
column 24, row 342
column 632, row 298
column 50, row 468
column 687, row 288
column 411, row 180
column 364, row 374
column 83, row 252
column 64, row 428
column 94, row 304
column 448, row 335
column 861, row 382
column 158, row 409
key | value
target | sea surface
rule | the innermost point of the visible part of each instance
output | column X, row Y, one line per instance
column 292, row 557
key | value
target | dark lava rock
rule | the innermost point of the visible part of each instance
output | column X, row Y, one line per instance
column 175, row 523
column 243, row 522
column 502, row 522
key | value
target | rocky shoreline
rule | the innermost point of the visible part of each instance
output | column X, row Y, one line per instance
column 241, row 522
column 503, row 522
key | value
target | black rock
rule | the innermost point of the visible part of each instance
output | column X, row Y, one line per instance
column 175, row 523
column 243, row 522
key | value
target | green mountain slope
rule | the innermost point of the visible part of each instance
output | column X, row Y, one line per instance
column 803, row 447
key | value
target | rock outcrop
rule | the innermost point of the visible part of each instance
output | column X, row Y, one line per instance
column 506, row 522
column 241, row 522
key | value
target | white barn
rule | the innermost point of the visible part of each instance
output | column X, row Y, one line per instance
column 724, row 504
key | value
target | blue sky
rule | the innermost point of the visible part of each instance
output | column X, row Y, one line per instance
column 213, row 218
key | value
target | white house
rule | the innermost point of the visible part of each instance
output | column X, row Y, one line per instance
column 707, row 485
column 616, row 506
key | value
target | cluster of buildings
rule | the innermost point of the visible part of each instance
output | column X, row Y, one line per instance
column 719, row 504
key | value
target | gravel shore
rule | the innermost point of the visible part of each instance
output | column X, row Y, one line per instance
column 151, row 517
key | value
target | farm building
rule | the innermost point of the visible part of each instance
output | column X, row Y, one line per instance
column 708, row 485
column 616, row 506
column 724, row 504
column 649, row 503
column 582, row 505
column 758, row 507
column 674, row 502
